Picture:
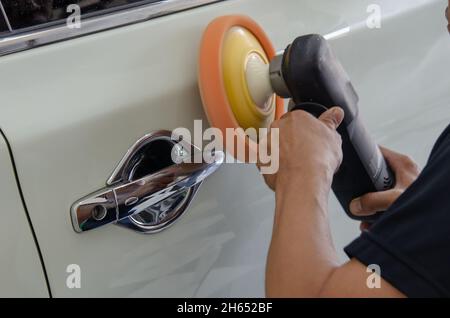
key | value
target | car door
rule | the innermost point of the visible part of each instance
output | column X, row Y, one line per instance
column 74, row 101
column 22, row 273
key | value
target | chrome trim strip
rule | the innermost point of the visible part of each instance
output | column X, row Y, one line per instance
column 5, row 16
column 25, row 41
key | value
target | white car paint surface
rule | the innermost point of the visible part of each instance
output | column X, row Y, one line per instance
column 71, row 110
column 21, row 272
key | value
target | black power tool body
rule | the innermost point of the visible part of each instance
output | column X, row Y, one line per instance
column 315, row 81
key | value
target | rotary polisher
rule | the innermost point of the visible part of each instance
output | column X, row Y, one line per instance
column 242, row 83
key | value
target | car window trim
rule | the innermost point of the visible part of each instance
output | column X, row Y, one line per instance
column 39, row 37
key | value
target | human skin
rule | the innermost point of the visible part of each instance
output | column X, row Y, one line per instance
column 447, row 14
column 302, row 260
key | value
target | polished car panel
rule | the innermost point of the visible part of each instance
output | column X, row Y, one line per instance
column 41, row 34
column 72, row 109
column 23, row 14
column 22, row 274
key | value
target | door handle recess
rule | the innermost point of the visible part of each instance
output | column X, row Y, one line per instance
column 147, row 192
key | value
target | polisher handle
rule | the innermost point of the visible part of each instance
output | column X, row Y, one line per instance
column 313, row 108
column 313, row 74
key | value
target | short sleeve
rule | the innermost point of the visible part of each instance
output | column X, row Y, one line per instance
column 411, row 241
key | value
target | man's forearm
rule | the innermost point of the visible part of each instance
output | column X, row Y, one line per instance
column 302, row 256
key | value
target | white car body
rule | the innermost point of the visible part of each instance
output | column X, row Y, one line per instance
column 70, row 110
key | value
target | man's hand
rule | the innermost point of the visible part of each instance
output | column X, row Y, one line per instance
column 308, row 147
column 406, row 172
column 301, row 254
column 447, row 14
column 302, row 261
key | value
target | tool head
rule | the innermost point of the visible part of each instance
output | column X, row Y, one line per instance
column 234, row 78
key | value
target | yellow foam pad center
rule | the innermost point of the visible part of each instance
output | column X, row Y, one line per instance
column 238, row 46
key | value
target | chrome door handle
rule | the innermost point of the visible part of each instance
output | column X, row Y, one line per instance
column 122, row 201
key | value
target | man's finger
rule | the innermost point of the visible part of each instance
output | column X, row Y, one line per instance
column 372, row 203
column 399, row 162
column 332, row 117
column 364, row 226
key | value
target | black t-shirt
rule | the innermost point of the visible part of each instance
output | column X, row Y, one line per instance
column 411, row 241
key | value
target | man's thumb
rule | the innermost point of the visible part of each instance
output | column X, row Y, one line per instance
column 332, row 117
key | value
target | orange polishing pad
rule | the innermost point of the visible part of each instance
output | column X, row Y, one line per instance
column 228, row 43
